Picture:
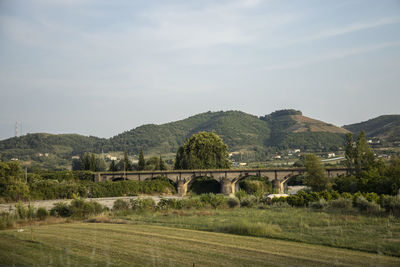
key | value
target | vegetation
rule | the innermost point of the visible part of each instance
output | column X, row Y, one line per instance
column 316, row 176
column 66, row 184
column 121, row 244
column 385, row 128
column 240, row 131
column 203, row 150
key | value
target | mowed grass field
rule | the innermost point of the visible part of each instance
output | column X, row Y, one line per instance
column 102, row 244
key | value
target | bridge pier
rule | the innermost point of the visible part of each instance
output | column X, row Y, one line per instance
column 181, row 188
column 278, row 186
column 227, row 187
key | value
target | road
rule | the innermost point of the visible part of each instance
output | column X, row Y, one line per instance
column 48, row 204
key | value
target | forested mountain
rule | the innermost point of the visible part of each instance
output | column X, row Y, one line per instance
column 48, row 150
column 240, row 131
column 386, row 127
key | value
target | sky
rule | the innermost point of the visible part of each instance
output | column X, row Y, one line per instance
column 100, row 67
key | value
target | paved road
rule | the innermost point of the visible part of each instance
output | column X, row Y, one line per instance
column 48, row 204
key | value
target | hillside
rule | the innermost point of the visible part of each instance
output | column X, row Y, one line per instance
column 236, row 128
column 386, row 127
column 283, row 129
column 48, row 150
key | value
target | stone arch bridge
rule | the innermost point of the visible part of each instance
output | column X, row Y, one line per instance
column 229, row 179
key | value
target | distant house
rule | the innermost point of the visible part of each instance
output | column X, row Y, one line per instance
column 14, row 159
column 113, row 158
column 331, row 155
column 242, row 163
column 75, row 157
column 39, row 154
column 277, row 157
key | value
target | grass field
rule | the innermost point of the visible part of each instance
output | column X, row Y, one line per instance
column 380, row 235
column 99, row 244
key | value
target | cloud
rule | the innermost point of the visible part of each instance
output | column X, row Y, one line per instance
column 333, row 55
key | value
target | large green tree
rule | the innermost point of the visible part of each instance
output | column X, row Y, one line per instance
column 349, row 153
column 204, row 150
column 364, row 158
column 316, row 176
column 142, row 162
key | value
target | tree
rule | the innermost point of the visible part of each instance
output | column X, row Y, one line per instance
column 163, row 165
column 349, row 153
column 113, row 167
column 142, row 162
column 126, row 163
column 203, row 150
column 152, row 164
column 364, row 158
column 316, row 176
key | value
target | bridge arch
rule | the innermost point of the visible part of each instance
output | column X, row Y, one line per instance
column 212, row 184
column 236, row 181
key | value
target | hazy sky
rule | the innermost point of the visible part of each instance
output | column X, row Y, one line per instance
column 101, row 67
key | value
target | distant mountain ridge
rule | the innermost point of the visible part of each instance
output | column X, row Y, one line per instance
column 284, row 129
column 385, row 127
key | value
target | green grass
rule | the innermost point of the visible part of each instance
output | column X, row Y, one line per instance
column 380, row 235
column 83, row 244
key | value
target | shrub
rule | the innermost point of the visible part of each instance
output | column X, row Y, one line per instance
column 189, row 203
column 6, row 220
column 20, row 210
column 82, row 209
column 320, row 204
column 366, row 206
column 120, row 204
column 142, row 204
column 341, row 203
column 233, row 202
column 60, row 209
column 392, row 205
column 213, row 200
column 42, row 213
column 240, row 194
column 248, row 201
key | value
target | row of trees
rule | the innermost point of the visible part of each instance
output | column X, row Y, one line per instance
column 365, row 172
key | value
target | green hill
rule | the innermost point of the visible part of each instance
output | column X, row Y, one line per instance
column 386, row 127
column 283, row 129
column 48, row 150
column 236, row 128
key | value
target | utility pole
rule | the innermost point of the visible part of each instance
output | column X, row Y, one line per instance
column 16, row 129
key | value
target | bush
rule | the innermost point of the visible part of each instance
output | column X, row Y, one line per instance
column 233, row 202
column 120, row 204
column 341, row 203
column 240, row 194
column 21, row 211
column 141, row 204
column 248, row 201
column 6, row 220
column 320, row 204
column 189, row 203
column 366, row 206
column 42, row 213
column 213, row 200
column 392, row 205
column 60, row 209
column 82, row 209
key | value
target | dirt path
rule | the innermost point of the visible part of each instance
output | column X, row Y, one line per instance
column 48, row 204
